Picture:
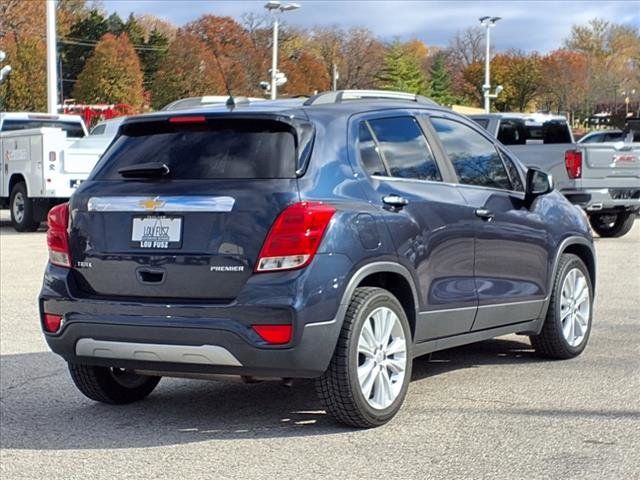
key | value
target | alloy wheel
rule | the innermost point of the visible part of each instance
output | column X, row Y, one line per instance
column 575, row 307
column 382, row 358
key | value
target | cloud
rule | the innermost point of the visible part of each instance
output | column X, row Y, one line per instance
column 526, row 25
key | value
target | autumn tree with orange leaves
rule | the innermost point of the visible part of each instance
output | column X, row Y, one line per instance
column 112, row 74
column 189, row 70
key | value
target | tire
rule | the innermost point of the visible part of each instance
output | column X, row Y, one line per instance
column 339, row 388
column 611, row 225
column 111, row 385
column 23, row 216
column 554, row 341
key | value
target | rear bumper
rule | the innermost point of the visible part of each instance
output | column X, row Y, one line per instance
column 596, row 199
column 193, row 350
column 200, row 338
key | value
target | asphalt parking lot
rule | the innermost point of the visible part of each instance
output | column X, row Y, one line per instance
column 489, row 410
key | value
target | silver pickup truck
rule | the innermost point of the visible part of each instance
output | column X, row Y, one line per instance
column 602, row 178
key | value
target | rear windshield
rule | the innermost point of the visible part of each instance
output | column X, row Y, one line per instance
column 73, row 129
column 549, row 132
column 215, row 149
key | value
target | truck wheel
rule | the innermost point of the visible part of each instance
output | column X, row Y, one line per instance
column 22, row 210
column 111, row 385
column 612, row 224
column 568, row 323
column 369, row 374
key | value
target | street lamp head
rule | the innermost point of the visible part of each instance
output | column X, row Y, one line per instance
column 272, row 5
column 495, row 19
column 483, row 19
column 286, row 7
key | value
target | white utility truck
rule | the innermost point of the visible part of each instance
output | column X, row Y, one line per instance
column 33, row 177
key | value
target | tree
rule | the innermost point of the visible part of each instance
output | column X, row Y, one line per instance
column 440, row 81
column 135, row 31
column 231, row 46
column 564, row 80
column 153, row 54
column 305, row 74
column 611, row 52
column 78, row 47
column 114, row 24
column 26, row 87
column 402, row 71
column 188, row 70
column 520, row 76
column 112, row 74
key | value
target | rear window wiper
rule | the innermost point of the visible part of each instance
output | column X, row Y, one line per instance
column 150, row 169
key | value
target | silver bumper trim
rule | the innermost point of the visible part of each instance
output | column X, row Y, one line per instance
column 152, row 352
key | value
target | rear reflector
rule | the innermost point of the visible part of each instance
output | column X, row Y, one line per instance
column 52, row 322
column 573, row 163
column 274, row 334
column 188, row 119
column 58, row 235
column 294, row 237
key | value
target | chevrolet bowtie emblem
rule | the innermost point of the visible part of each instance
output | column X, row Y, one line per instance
column 151, row 203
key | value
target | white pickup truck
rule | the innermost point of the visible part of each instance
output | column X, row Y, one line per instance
column 33, row 176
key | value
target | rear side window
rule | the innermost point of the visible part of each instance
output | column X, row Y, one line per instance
column 474, row 158
column 215, row 149
column 404, row 148
column 369, row 151
column 483, row 122
column 73, row 129
column 512, row 132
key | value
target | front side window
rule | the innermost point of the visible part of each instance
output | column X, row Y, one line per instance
column 405, row 149
column 474, row 158
column 514, row 174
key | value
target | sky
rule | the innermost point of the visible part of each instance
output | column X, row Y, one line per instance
column 527, row 25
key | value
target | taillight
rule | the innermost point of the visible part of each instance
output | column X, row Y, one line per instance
column 58, row 235
column 294, row 237
column 274, row 334
column 188, row 119
column 573, row 163
column 52, row 322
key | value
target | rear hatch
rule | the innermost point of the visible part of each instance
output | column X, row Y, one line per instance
column 194, row 229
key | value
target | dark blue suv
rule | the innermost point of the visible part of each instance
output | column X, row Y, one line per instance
column 334, row 239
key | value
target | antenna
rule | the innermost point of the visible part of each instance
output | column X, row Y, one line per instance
column 230, row 101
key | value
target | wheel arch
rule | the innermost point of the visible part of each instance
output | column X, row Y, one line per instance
column 15, row 179
column 586, row 254
column 392, row 277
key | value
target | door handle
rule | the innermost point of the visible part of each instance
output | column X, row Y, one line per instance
column 484, row 213
column 395, row 201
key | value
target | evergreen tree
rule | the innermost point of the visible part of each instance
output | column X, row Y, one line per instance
column 440, row 82
column 153, row 55
column 77, row 47
column 115, row 24
column 134, row 30
column 112, row 74
column 401, row 71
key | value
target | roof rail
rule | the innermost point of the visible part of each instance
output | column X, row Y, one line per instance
column 340, row 96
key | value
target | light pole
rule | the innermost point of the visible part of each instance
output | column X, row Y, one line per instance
column 52, row 82
column 488, row 23
column 275, row 8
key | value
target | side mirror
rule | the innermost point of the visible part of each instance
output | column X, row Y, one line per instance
column 538, row 183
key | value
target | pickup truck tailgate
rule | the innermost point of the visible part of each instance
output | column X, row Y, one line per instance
column 612, row 161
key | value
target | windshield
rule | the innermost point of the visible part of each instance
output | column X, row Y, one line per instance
column 73, row 129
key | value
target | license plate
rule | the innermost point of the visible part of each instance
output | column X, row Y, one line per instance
column 156, row 231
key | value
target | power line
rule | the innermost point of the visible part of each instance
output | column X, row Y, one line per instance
column 93, row 44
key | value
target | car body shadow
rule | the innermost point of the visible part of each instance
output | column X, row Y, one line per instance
column 41, row 409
